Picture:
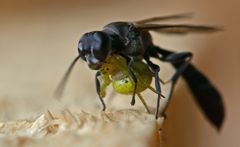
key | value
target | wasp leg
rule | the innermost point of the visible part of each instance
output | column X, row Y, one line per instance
column 180, row 61
column 204, row 92
column 184, row 58
column 155, row 68
column 130, row 62
column 143, row 101
column 98, row 88
column 153, row 90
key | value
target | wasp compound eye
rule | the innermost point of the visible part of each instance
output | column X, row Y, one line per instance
column 95, row 44
column 84, row 46
column 101, row 46
column 94, row 47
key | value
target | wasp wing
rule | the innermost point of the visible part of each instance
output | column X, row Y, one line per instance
column 179, row 29
column 164, row 18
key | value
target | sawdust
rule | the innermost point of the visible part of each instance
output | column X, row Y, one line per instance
column 67, row 128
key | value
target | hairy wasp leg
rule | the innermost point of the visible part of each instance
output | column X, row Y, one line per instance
column 98, row 90
column 130, row 62
column 144, row 103
column 155, row 68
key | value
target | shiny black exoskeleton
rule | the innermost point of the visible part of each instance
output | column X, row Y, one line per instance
column 132, row 41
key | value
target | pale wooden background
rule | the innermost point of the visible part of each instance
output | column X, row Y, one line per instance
column 39, row 38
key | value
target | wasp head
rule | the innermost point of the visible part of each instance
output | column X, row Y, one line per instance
column 94, row 47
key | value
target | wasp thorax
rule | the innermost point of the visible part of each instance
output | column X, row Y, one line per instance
column 94, row 47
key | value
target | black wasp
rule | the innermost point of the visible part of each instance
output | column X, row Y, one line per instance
column 121, row 53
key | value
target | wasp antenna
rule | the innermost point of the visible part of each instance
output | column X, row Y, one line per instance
column 60, row 88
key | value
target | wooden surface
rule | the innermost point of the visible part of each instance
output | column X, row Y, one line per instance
column 119, row 128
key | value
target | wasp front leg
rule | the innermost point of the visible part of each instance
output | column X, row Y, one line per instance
column 102, row 81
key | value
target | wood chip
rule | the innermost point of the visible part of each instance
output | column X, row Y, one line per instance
column 119, row 128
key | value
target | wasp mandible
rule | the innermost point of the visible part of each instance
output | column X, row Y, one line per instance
column 121, row 54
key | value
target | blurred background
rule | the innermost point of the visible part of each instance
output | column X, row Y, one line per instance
column 38, row 40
